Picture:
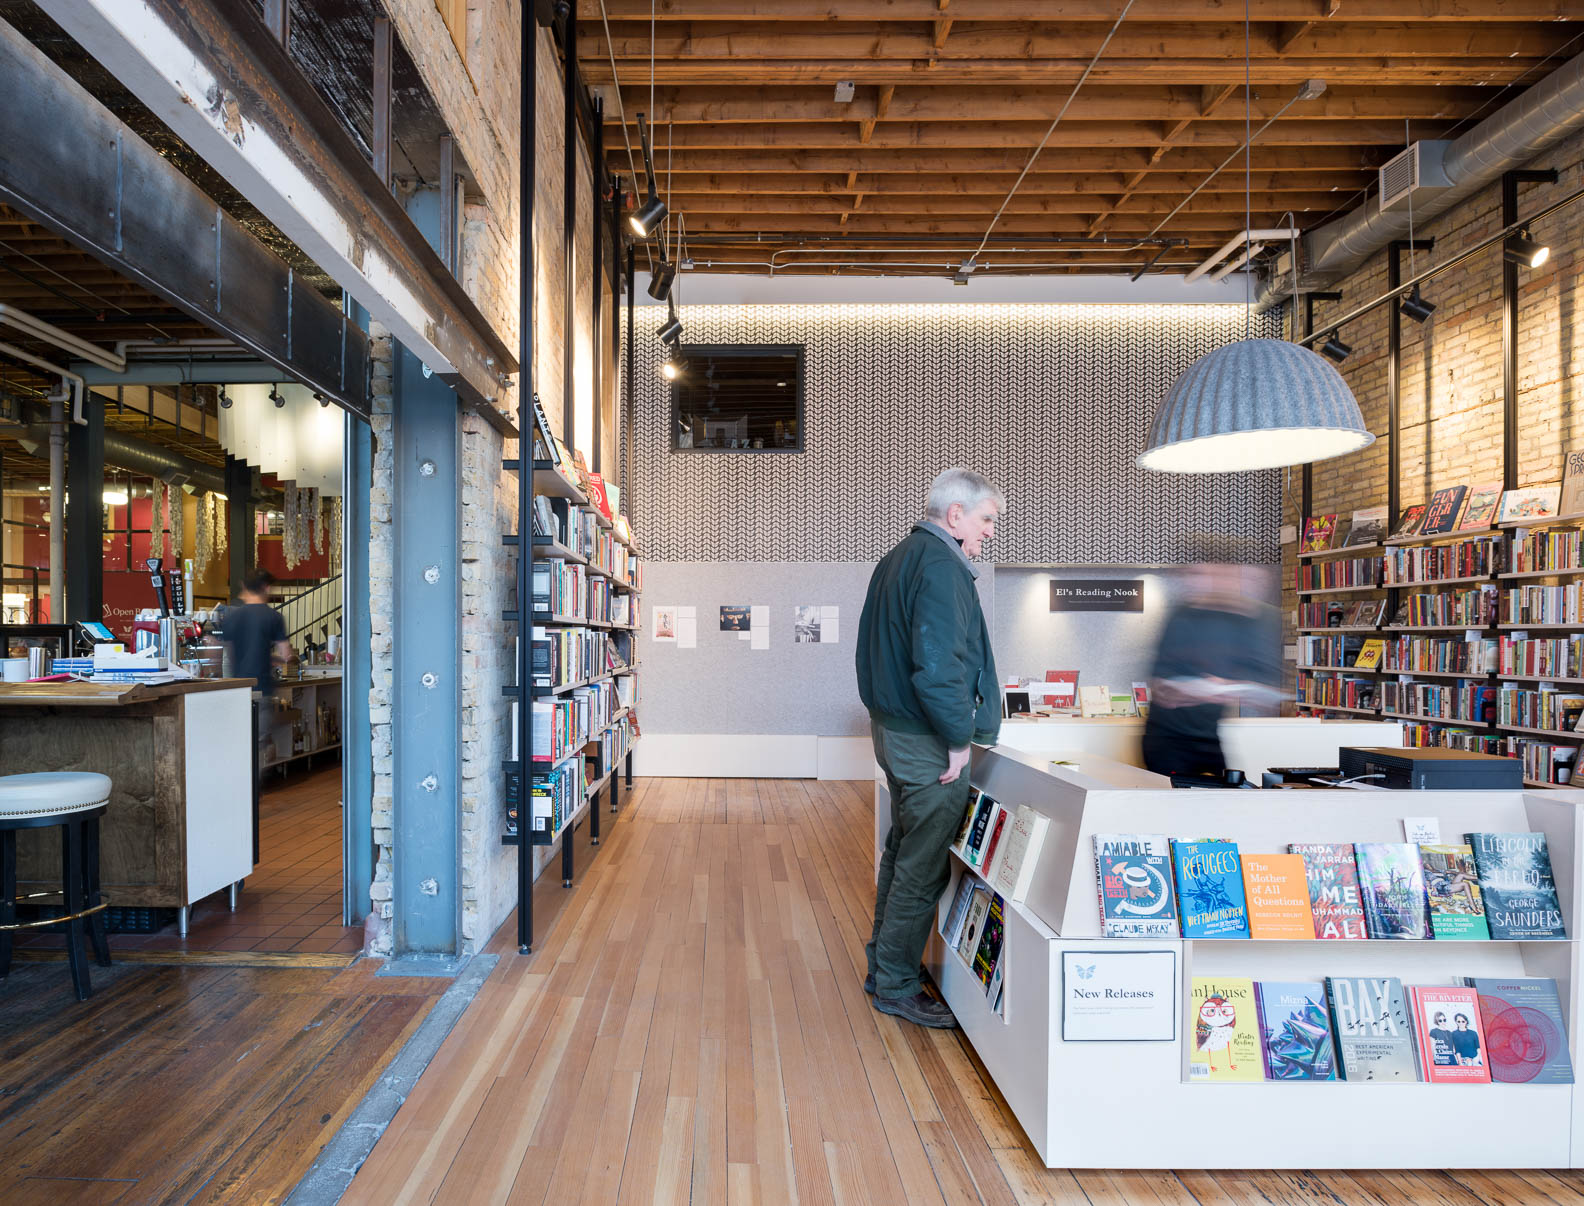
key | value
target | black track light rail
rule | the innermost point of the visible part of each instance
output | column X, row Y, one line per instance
column 1393, row 294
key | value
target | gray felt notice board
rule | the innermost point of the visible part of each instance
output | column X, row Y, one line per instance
column 724, row 686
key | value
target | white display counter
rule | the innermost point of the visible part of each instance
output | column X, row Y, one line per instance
column 1252, row 744
column 1130, row 1104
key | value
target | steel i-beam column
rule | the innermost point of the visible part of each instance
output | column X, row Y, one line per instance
column 426, row 694
column 85, row 515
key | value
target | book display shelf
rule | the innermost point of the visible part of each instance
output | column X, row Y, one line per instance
column 573, row 705
column 1336, row 583
column 1078, row 1066
column 1483, row 649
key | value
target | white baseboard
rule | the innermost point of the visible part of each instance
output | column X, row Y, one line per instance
column 752, row 756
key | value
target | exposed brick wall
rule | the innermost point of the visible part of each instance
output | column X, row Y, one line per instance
column 382, row 545
column 1451, row 388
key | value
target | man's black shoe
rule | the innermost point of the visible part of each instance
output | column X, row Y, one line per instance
column 921, row 1009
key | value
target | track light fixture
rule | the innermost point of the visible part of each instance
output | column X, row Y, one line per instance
column 671, row 331
column 1415, row 306
column 1524, row 251
column 275, row 397
column 673, row 366
column 1335, row 350
column 321, row 399
column 646, row 219
column 664, row 274
column 225, row 399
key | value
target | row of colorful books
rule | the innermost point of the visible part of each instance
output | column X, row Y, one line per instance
column 1450, row 509
column 975, row 929
column 1361, row 1028
column 1001, row 843
column 1494, row 886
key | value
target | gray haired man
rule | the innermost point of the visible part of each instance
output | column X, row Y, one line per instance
column 927, row 674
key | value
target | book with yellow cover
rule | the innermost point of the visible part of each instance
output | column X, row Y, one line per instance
column 1277, row 893
column 1370, row 655
column 1224, row 1023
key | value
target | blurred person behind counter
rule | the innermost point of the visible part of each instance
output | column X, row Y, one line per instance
column 256, row 635
column 1221, row 646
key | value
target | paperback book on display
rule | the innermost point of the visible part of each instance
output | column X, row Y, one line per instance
column 1408, row 522
column 1452, row 884
column 1480, row 512
column 1319, row 533
column 1443, row 511
column 1334, row 900
column 1210, row 889
column 1374, row 1038
column 1133, row 845
column 1277, row 894
column 1018, row 859
column 1392, row 888
column 1224, row 1024
column 1136, row 896
column 1515, row 881
column 1525, row 1036
column 992, row 934
column 973, row 924
column 957, row 915
column 1295, row 1030
column 1450, row 1042
column 1369, row 526
column 1530, row 502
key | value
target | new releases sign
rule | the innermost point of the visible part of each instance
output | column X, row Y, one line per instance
column 1096, row 594
column 1119, row 996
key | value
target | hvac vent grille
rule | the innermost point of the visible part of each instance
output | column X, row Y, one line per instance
column 1399, row 176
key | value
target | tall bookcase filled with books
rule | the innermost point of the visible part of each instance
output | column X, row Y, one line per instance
column 1540, row 646
column 1254, row 989
column 574, row 704
column 1340, row 606
column 1484, row 646
column 1441, row 565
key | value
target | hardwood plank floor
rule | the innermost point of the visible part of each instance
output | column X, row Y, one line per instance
column 692, row 1028
column 187, row 1083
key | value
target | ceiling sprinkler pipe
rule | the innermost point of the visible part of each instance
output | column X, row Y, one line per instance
column 21, row 320
column 1232, row 266
column 71, row 384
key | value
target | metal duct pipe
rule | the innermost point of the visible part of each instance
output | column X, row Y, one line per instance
column 145, row 460
column 1509, row 138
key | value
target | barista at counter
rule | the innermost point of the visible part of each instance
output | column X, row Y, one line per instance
column 256, row 634
column 1221, row 645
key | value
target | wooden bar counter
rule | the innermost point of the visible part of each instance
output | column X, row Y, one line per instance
column 180, row 761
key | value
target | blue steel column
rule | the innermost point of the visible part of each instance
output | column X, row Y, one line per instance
column 357, row 761
column 426, row 696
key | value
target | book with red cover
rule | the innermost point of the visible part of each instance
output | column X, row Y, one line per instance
column 1449, row 1035
column 1442, row 514
column 594, row 484
column 993, row 840
column 1408, row 524
column 1067, row 698
column 1320, row 532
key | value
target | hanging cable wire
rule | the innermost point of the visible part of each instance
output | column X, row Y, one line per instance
column 610, row 48
column 1029, row 166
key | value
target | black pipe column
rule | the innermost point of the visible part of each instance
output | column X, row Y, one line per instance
column 85, row 515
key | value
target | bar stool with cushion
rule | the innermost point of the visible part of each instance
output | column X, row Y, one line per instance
column 72, row 802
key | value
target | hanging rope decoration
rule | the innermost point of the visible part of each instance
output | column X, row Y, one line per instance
column 178, row 524
column 222, row 535
column 203, row 542
column 307, row 519
column 335, row 535
column 289, row 528
column 318, row 523
column 157, row 521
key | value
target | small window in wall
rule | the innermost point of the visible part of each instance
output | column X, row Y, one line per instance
column 738, row 398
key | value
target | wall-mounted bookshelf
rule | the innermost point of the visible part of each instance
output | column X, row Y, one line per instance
column 576, row 689
column 1477, row 617
column 1339, row 609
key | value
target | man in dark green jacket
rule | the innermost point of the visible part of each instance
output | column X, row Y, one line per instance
column 927, row 674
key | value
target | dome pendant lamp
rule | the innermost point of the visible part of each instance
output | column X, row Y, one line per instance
column 1257, row 403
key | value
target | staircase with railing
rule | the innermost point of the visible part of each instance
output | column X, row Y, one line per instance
column 312, row 614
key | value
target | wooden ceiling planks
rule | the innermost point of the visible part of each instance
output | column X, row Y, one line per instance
column 951, row 98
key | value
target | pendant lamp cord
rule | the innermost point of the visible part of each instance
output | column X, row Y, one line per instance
column 1248, row 169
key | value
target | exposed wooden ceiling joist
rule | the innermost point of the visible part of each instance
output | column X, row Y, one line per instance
column 951, row 100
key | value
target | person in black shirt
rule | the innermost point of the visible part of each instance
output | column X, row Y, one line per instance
column 1465, row 1041
column 1221, row 646
column 257, row 635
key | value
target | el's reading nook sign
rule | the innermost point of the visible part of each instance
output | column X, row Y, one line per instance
column 1096, row 594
